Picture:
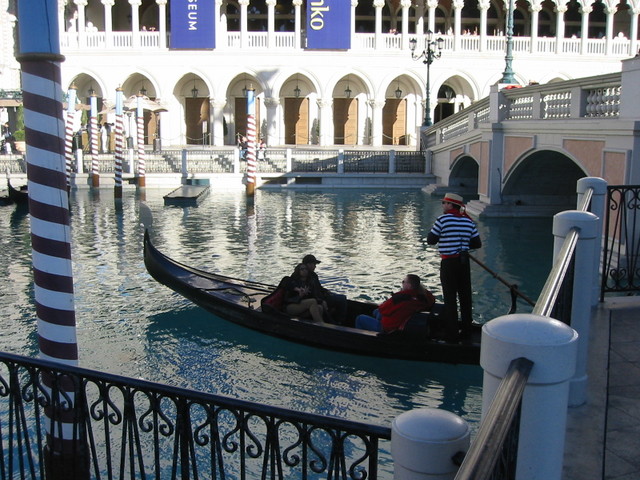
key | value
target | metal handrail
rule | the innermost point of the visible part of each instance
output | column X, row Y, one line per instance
column 497, row 438
column 547, row 299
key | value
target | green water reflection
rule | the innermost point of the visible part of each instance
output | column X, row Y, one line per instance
column 367, row 240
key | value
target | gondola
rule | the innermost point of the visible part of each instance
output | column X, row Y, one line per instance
column 18, row 196
column 240, row 302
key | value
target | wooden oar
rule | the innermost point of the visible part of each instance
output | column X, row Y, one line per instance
column 512, row 286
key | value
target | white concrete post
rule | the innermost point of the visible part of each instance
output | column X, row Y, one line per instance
column 552, row 346
column 424, row 442
column 340, row 161
column 184, row 167
column 598, row 208
column 583, row 279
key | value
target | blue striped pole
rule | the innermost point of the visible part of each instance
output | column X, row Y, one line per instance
column 39, row 57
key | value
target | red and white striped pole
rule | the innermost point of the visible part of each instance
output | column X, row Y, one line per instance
column 39, row 57
column 140, row 125
column 117, row 192
column 72, row 95
column 251, row 142
column 95, row 170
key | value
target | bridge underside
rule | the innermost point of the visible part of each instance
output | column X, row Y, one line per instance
column 540, row 184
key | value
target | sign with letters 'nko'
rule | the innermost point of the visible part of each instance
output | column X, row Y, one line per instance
column 192, row 24
column 328, row 24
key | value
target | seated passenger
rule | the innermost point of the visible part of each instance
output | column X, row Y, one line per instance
column 301, row 297
column 394, row 313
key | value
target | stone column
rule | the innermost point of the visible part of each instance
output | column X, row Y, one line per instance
column 405, row 23
column 376, row 121
column 458, row 5
column 352, row 29
column 108, row 22
column 273, row 121
column 483, row 5
column 271, row 22
column 610, row 11
column 326, row 121
column 135, row 22
column 162, row 23
column 244, row 4
column 378, row 4
column 297, row 4
column 82, row 22
column 217, row 122
column 633, row 33
column 535, row 13
column 420, row 9
column 584, row 28
column 432, row 4
column 560, row 11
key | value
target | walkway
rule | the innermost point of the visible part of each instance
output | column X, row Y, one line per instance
column 604, row 434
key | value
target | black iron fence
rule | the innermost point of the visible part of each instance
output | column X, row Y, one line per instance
column 116, row 427
column 620, row 269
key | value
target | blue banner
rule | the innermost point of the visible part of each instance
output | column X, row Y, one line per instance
column 192, row 24
column 328, row 24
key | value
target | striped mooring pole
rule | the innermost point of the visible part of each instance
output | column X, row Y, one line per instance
column 117, row 189
column 66, row 452
column 251, row 142
column 93, row 123
column 140, row 128
column 72, row 95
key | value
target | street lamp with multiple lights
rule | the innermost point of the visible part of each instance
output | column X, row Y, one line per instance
column 431, row 52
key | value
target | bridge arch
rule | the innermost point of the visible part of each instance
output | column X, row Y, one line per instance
column 464, row 175
column 544, row 178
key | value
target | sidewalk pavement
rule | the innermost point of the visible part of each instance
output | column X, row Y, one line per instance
column 603, row 435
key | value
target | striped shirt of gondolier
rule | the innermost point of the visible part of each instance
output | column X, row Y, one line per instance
column 455, row 233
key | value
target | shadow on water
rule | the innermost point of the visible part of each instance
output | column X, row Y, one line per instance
column 341, row 384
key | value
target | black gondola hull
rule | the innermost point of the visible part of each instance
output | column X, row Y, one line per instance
column 238, row 301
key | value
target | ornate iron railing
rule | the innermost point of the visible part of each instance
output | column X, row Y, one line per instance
column 119, row 428
column 621, row 271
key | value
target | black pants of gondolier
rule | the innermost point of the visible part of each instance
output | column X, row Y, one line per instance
column 455, row 278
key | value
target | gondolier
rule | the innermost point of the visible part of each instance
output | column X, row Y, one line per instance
column 455, row 233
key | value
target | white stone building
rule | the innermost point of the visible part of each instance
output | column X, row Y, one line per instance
column 371, row 93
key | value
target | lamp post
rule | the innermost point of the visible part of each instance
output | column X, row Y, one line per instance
column 507, row 75
column 432, row 50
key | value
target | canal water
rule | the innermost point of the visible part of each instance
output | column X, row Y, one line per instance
column 367, row 240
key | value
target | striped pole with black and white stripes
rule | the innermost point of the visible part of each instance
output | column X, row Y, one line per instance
column 39, row 57
column 93, row 124
column 140, row 131
column 72, row 95
column 117, row 192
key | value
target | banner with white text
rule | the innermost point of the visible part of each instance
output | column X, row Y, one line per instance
column 192, row 24
column 328, row 24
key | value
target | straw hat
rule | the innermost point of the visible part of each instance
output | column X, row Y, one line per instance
column 454, row 198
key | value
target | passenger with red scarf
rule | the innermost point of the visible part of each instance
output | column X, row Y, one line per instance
column 394, row 313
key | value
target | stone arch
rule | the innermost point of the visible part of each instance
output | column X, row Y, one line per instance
column 544, row 179
column 464, row 175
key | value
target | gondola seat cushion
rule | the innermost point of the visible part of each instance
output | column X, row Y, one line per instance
column 274, row 302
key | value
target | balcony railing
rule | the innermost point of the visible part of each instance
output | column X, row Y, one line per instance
column 118, row 427
column 493, row 44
